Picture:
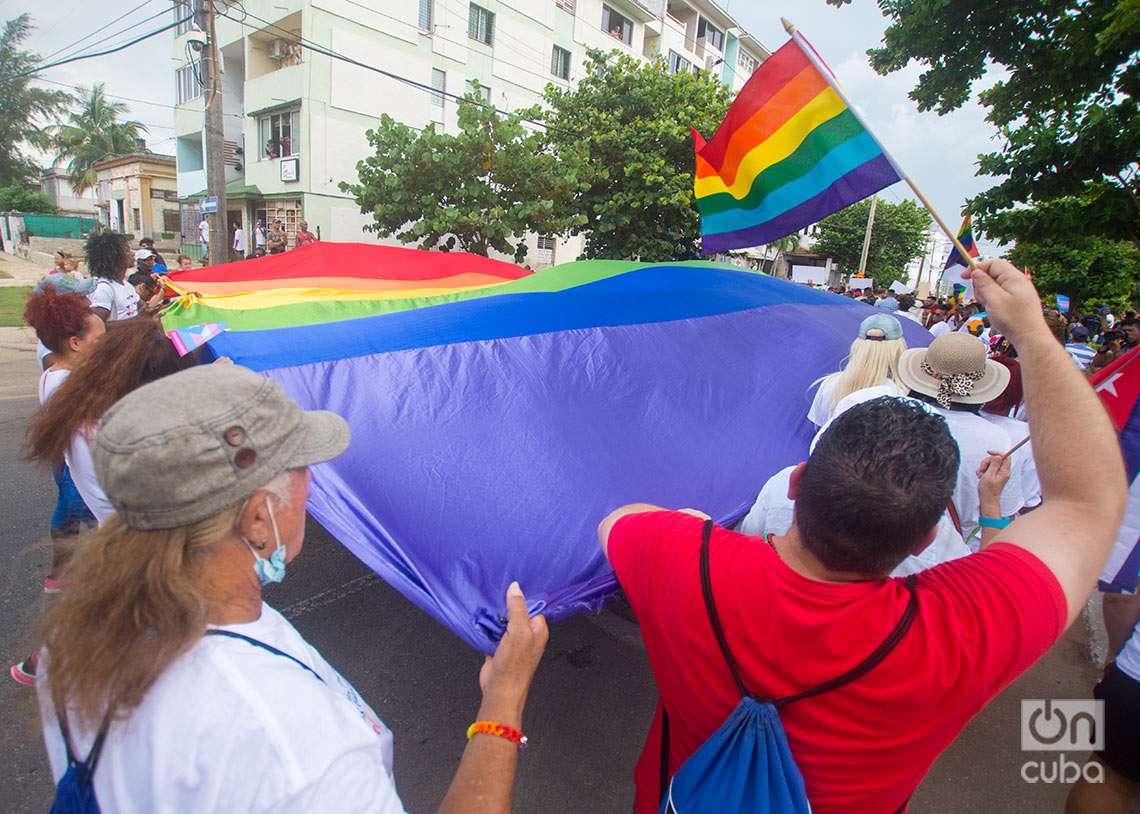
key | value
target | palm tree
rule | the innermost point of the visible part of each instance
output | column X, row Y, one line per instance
column 782, row 245
column 92, row 134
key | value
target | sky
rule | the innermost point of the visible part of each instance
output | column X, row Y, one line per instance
column 938, row 152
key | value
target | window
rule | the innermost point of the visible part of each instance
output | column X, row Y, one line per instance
column 481, row 25
column 426, row 14
column 565, row 5
column 616, row 25
column 287, row 211
column 439, row 87
column 483, row 93
column 677, row 63
column 747, row 63
column 188, row 86
column 136, row 219
column 182, row 9
column 171, row 221
column 560, row 63
column 545, row 251
column 280, row 134
column 713, row 35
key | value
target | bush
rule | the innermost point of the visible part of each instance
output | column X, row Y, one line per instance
column 22, row 199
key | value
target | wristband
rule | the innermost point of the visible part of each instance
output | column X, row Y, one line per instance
column 994, row 522
column 499, row 731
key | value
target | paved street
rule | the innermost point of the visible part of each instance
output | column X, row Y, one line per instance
column 588, row 710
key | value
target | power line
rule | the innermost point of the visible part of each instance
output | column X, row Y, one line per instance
column 110, row 37
column 97, row 30
column 122, row 47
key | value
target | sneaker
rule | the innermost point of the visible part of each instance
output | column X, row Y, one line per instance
column 23, row 674
column 53, row 585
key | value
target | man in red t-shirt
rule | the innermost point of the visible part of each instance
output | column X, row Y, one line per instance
column 805, row 607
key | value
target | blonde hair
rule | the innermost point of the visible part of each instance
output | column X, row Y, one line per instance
column 870, row 363
column 134, row 604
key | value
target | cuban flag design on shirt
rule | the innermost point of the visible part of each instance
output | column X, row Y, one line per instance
column 1118, row 386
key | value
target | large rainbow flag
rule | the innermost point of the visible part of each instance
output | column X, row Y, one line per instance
column 493, row 427
column 790, row 152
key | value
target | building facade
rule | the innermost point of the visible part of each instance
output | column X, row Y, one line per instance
column 57, row 186
column 138, row 194
column 295, row 119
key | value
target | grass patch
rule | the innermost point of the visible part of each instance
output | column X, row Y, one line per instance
column 5, row 275
column 12, row 301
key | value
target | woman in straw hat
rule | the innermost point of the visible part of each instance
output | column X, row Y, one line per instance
column 872, row 362
column 169, row 685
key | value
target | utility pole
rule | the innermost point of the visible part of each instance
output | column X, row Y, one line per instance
column 215, row 152
column 867, row 236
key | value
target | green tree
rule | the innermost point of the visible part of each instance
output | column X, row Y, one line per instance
column 93, row 133
column 898, row 236
column 1092, row 271
column 479, row 190
column 1066, row 109
column 22, row 199
column 24, row 109
column 629, row 121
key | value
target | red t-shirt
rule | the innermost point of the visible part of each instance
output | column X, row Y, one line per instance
column 982, row 620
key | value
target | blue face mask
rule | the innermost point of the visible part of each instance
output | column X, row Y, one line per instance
column 271, row 569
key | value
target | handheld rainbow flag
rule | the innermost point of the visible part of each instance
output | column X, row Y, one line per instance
column 193, row 337
column 956, row 263
column 791, row 151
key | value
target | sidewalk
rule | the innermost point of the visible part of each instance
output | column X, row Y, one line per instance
column 22, row 272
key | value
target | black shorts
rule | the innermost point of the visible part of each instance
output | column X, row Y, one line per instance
column 1121, row 695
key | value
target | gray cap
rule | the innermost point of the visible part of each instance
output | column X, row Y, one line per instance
column 185, row 447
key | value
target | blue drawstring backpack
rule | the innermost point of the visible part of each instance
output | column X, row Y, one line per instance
column 746, row 765
column 75, row 791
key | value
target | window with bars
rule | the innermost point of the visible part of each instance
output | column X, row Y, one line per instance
column 439, row 87
column 560, row 62
column 545, row 250
column 616, row 25
column 747, row 63
column 678, row 63
column 565, row 5
column 713, row 35
column 426, row 14
column 482, row 93
column 280, row 134
column 187, row 85
column 183, row 9
column 481, row 25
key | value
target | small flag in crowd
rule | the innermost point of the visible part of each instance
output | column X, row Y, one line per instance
column 193, row 337
column 1118, row 386
column 790, row 152
column 956, row 263
column 1063, row 303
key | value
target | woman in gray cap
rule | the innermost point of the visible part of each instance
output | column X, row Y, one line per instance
column 168, row 685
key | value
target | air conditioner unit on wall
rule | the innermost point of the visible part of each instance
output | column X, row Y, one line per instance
column 278, row 49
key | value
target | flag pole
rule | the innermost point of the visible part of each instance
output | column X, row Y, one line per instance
column 810, row 53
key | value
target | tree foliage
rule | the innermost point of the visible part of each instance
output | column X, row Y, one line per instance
column 629, row 122
column 24, row 109
column 1066, row 108
column 897, row 237
column 479, row 190
column 1092, row 271
column 93, row 133
column 22, row 199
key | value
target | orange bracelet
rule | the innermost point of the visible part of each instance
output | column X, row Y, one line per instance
column 499, row 731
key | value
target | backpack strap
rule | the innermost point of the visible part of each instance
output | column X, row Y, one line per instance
column 710, row 608
column 873, row 660
column 664, row 750
column 954, row 518
column 270, row 648
column 96, row 746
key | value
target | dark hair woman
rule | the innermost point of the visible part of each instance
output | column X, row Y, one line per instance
column 133, row 353
column 109, row 257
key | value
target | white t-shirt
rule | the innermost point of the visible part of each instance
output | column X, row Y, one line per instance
column 232, row 727
column 42, row 350
column 772, row 514
column 82, row 466
column 1023, row 458
column 913, row 317
column 239, row 241
column 820, row 409
column 939, row 328
column 204, row 231
column 259, row 235
column 118, row 297
column 1128, row 659
column 50, row 380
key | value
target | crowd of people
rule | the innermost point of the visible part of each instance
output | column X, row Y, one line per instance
column 876, row 597
column 273, row 239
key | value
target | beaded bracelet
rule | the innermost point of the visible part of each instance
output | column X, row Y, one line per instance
column 499, row 731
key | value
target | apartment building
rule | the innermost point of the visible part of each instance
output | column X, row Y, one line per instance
column 296, row 119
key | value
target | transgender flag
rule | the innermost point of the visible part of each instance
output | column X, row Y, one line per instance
column 790, row 152
column 1118, row 386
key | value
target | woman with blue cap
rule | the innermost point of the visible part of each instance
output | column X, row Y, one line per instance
column 872, row 362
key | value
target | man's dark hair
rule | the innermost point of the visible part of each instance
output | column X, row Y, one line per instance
column 106, row 255
column 876, row 484
column 147, row 243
